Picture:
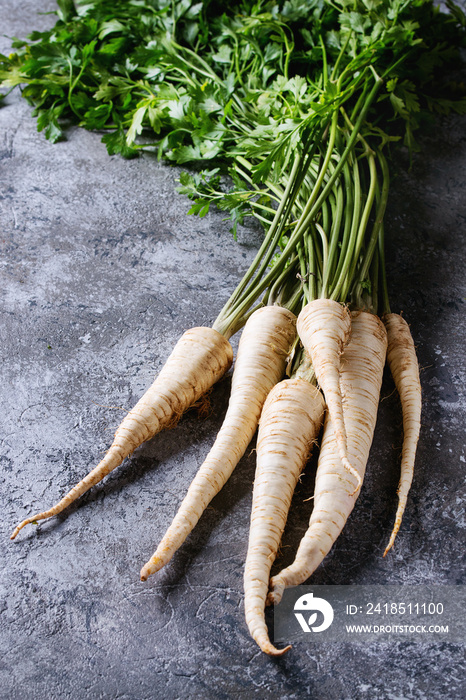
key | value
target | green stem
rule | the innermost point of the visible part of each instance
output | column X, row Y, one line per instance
column 313, row 292
column 72, row 86
column 324, row 61
column 374, row 297
column 272, row 294
column 350, row 234
column 337, row 216
column 323, row 236
column 374, row 237
column 340, row 56
column 303, row 269
column 381, row 249
column 362, row 227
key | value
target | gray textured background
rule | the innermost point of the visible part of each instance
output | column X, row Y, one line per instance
column 101, row 272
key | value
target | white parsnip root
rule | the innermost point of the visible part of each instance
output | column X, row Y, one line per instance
column 402, row 360
column 262, row 354
column 324, row 327
column 362, row 366
column 199, row 359
column 289, row 425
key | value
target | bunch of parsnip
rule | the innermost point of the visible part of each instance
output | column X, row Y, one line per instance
column 294, row 107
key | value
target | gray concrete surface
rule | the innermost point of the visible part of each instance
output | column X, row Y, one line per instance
column 101, row 272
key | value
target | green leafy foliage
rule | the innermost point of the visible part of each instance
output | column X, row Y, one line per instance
column 281, row 106
column 201, row 77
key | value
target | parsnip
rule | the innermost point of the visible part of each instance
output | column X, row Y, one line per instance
column 199, row 359
column 324, row 327
column 401, row 356
column 289, row 425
